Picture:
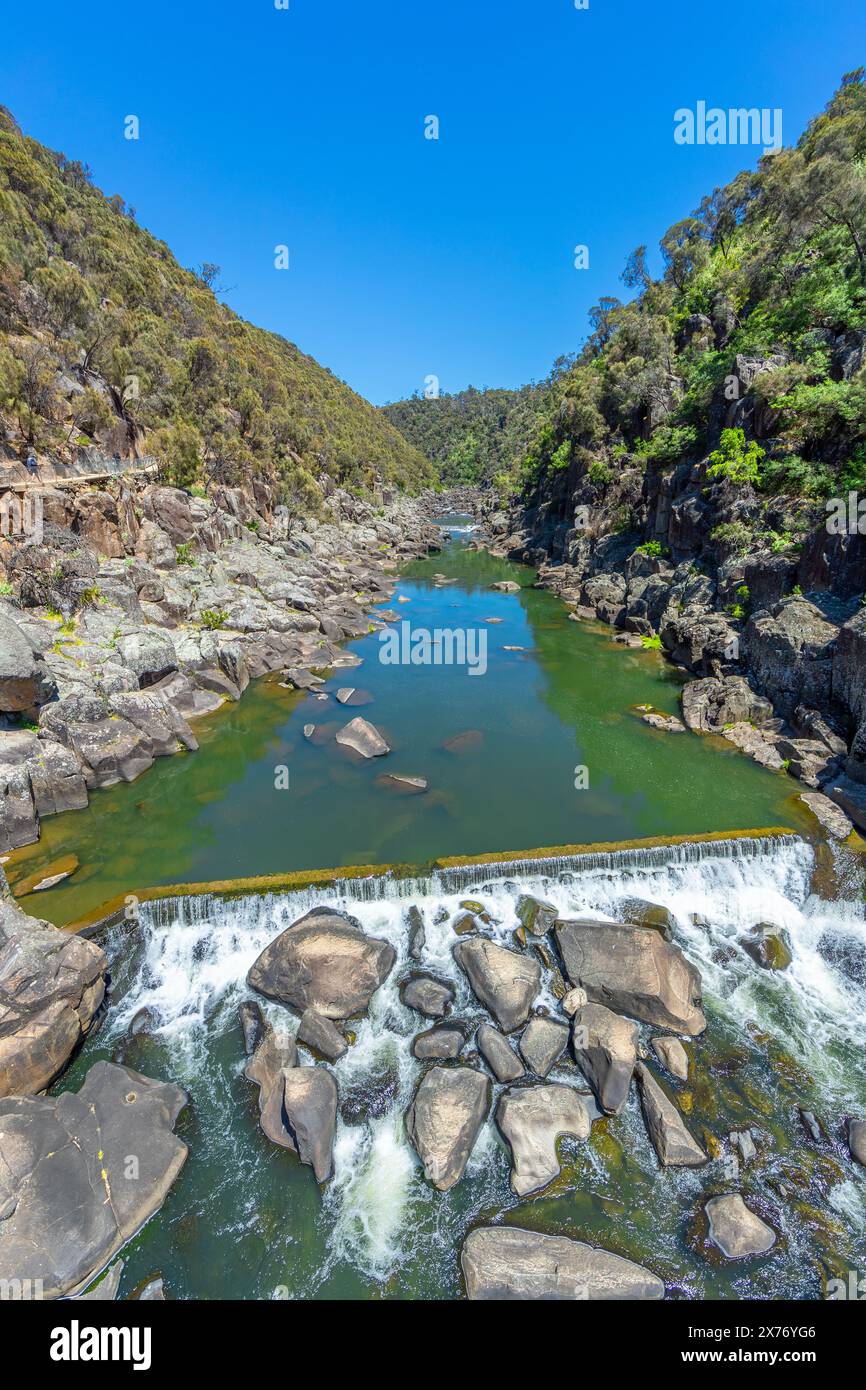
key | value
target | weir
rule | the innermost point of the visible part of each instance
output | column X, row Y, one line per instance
column 371, row 883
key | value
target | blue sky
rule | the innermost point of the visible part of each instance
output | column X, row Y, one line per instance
column 413, row 257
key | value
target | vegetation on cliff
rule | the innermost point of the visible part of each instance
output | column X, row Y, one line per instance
column 106, row 341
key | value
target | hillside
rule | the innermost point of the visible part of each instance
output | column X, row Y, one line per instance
column 474, row 436
column 756, row 326
column 108, row 344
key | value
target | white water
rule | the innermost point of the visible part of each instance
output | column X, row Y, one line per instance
column 377, row 1209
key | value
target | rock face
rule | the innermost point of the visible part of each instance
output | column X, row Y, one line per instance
column 51, row 985
column 323, row 962
column 673, row 1143
column 65, row 1192
column 498, row 1053
column 504, row 1262
column 506, row 982
column 605, row 1049
column 360, row 735
column 633, row 970
column 542, row 1044
column 443, row 1121
column 429, row 996
column 531, row 1119
column 25, row 681
column 736, row 1230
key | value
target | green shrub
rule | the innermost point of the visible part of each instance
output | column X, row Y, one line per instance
column 599, row 473
column 183, row 553
column 213, row 618
column 651, row 644
column 735, row 459
column 654, row 549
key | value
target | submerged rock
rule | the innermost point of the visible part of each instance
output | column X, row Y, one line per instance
column 673, row 1143
column 504, row 1262
column 542, row 1044
column 325, row 962
column 360, row 735
column 735, row 1228
column 605, row 1049
column 769, row 946
column 498, row 1053
column 506, row 982
column 67, row 1204
column 531, row 1119
column 633, row 970
column 444, row 1120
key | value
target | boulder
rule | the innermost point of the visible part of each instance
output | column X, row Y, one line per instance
column 252, row 1024
column 605, row 1049
column 321, row 1035
column 275, row 1054
column 444, row 1120
column 709, row 705
column 536, row 915
column 325, row 962
column 51, row 986
column 506, row 982
column 416, row 932
column 442, row 1043
column 735, row 1228
column 25, row 680
column 857, row 1140
column 633, row 970
column 65, row 1192
column 542, row 1043
column 828, row 814
column 505, row 1262
column 572, row 1002
column 666, row 1127
column 429, row 996
column 673, row 1057
column 769, row 946
column 361, row 735
column 531, row 1119
column 310, row 1106
column 642, row 913
column 498, row 1053
column 149, row 654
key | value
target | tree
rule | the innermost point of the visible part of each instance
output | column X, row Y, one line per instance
column 636, row 276
column 684, row 250
column 179, row 449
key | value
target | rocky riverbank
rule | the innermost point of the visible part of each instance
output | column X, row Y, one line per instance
column 774, row 643
column 143, row 607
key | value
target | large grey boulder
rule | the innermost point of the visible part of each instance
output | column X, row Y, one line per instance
column 25, row 680
column 364, row 738
column 149, row 654
column 444, row 1120
column 442, row 1043
column 498, row 1053
column 506, row 982
column 857, row 1140
column 310, row 1104
column 673, row 1143
column 82, row 1173
column 275, row 1054
column 536, row 915
column 51, row 985
column 504, row 1262
column 673, row 1056
column 321, row 1035
column 709, row 705
column 633, row 970
column 605, row 1049
column 736, row 1229
column 531, row 1119
column 542, row 1043
column 324, row 962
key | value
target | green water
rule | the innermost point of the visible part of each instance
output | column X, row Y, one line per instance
column 532, row 718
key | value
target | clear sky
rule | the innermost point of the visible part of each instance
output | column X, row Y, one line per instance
column 412, row 257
